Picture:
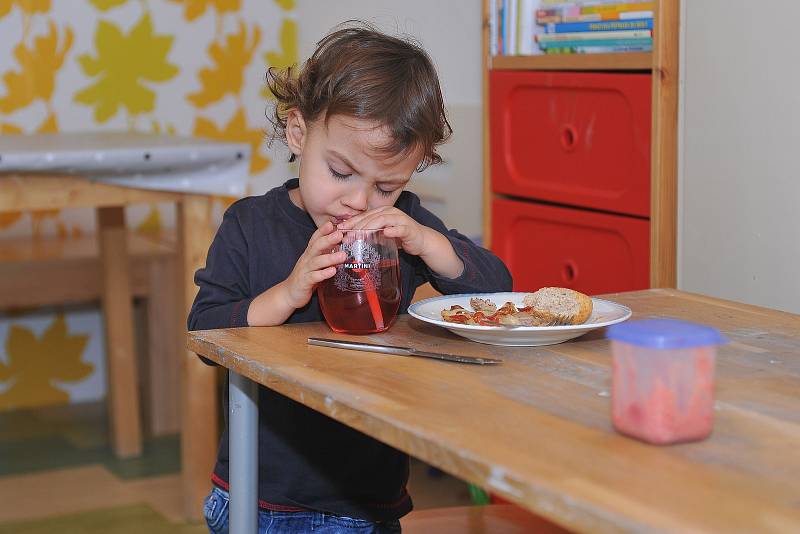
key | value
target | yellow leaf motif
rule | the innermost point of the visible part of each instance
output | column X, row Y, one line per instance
column 288, row 5
column 236, row 130
column 230, row 61
column 122, row 62
column 287, row 56
column 29, row 7
column 169, row 128
column 288, row 40
column 152, row 224
column 196, row 8
column 105, row 5
column 39, row 67
column 9, row 128
column 49, row 125
column 33, row 364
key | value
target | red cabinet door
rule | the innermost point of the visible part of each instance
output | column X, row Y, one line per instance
column 581, row 139
column 554, row 246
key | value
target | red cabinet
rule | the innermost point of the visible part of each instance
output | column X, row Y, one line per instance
column 570, row 178
column 581, row 139
column 555, row 246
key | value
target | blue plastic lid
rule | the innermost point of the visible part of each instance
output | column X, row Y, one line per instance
column 665, row 334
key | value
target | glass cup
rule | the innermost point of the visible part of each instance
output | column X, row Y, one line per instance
column 364, row 295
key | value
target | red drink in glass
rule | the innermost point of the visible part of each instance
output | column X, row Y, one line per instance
column 364, row 295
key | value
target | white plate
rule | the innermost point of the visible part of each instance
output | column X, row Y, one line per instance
column 604, row 313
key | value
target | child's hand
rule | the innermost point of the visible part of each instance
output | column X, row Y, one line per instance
column 417, row 239
column 316, row 264
column 395, row 223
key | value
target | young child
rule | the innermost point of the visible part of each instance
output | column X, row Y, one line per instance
column 363, row 114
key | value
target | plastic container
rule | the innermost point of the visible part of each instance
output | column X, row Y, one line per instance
column 663, row 379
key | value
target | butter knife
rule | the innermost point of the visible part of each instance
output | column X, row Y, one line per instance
column 402, row 351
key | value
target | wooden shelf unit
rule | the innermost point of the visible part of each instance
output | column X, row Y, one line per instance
column 621, row 61
column 663, row 62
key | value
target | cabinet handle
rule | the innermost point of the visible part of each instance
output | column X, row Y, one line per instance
column 570, row 271
column 569, row 137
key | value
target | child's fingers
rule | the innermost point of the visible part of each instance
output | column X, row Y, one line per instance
column 349, row 223
column 324, row 261
column 383, row 220
column 325, row 243
column 325, row 229
column 357, row 222
column 315, row 277
column 398, row 232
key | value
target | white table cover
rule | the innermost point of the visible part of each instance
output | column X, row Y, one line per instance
column 147, row 161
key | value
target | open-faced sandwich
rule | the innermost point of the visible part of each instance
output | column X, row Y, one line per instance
column 549, row 306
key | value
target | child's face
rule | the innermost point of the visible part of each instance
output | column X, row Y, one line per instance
column 342, row 173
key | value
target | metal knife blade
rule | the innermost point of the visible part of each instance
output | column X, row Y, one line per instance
column 402, row 351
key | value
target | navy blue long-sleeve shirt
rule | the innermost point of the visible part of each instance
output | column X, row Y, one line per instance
column 307, row 460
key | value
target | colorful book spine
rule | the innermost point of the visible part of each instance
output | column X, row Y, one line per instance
column 610, row 49
column 528, row 27
column 568, row 10
column 593, row 36
column 646, row 41
column 605, row 25
column 493, row 28
column 617, row 8
column 591, row 17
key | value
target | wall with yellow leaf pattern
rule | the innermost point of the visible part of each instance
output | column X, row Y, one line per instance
column 188, row 67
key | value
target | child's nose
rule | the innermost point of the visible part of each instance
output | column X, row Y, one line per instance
column 357, row 199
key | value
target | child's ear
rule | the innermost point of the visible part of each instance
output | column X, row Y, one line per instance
column 296, row 131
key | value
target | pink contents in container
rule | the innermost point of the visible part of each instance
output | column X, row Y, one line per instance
column 663, row 379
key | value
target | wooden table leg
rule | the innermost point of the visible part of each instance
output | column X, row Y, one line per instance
column 199, row 399
column 164, row 311
column 123, row 386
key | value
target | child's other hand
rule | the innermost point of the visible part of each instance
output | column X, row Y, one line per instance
column 316, row 264
column 395, row 223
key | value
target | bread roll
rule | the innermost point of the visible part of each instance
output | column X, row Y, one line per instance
column 549, row 302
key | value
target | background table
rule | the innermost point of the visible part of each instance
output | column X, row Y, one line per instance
column 537, row 428
column 108, row 171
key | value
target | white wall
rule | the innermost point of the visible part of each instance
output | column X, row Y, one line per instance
column 450, row 31
column 740, row 154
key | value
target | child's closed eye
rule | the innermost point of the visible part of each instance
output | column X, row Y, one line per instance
column 338, row 175
column 384, row 192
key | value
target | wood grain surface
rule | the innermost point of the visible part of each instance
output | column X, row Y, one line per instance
column 537, row 428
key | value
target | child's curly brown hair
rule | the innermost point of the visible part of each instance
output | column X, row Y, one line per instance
column 360, row 72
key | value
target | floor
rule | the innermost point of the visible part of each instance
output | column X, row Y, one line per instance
column 57, row 474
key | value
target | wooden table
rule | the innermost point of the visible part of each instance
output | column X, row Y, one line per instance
column 537, row 428
column 116, row 153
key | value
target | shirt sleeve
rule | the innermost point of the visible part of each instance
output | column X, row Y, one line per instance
column 483, row 271
column 223, row 298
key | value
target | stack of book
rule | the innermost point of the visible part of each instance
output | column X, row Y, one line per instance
column 524, row 27
column 594, row 27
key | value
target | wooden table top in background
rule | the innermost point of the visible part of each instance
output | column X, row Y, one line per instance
column 537, row 428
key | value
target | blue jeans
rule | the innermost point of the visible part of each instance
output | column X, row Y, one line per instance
column 215, row 511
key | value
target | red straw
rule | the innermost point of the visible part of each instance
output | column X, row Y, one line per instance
column 372, row 298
